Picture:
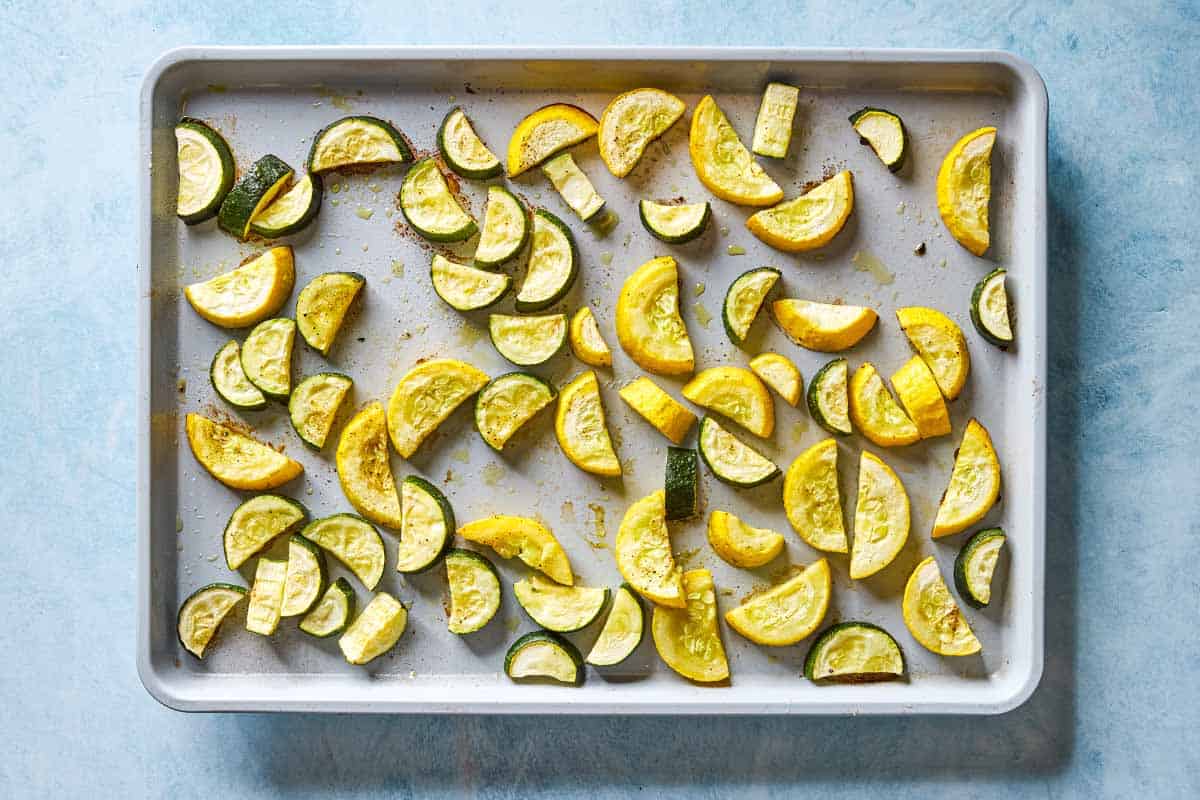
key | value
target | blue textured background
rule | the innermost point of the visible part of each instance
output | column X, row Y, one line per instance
column 1117, row 712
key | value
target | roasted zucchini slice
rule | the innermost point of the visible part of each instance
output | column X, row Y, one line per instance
column 332, row 612
column 824, row 327
column 622, row 631
column 357, row 142
column 674, row 223
column 463, row 150
column 854, row 652
column 229, row 379
column 884, row 132
column 375, row 631
column 506, row 227
column 202, row 614
column 353, row 541
column 428, row 526
column 976, row 564
column 246, row 295
column 974, row 483
column 267, row 357
column 733, row 462
column 773, row 126
column 989, row 309
column 829, row 397
column 939, row 341
column 256, row 523
column 261, row 184
column 431, row 208
column 266, row 596
column 290, row 212
column 322, row 306
column 474, row 590
column 553, row 264
column 780, row 374
column 542, row 654
column 631, row 122
column 364, row 468
column 527, row 341
column 680, row 482
column 305, row 579
column 581, row 428
column 465, row 288
column 744, row 299
column 236, row 460
column 507, row 403
column 875, row 413
column 314, row 405
column 559, row 608
column 206, row 170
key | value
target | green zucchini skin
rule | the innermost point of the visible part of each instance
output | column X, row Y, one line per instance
column 455, row 165
column 716, row 469
column 239, row 205
column 253, row 404
column 346, row 591
column 813, row 397
column 301, row 222
column 442, row 237
column 481, row 399
column 242, row 590
column 228, row 168
column 977, row 317
column 525, row 234
column 681, row 482
column 447, row 515
column 898, row 164
column 482, row 561
column 810, row 660
column 558, row 641
column 962, row 564
column 675, row 238
column 529, row 306
column 731, row 294
column 406, row 154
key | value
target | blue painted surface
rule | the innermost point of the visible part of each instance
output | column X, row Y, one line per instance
column 1118, row 709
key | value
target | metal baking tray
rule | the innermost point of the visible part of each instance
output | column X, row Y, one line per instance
column 273, row 99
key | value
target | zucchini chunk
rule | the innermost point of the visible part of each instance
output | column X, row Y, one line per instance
column 375, row 631
column 505, row 228
column 731, row 460
column 829, row 397
column 587, row 343
column 428, row 527
column 314, row 405
column 305, row 580
column 744, row 299
column 918, row 392
column 854, row 652
column 723, row 163
column 787, row 612
column 465, row 288
column 773, row 126
column 581, row 428
column 322, row 305
column 649, row 327
column 256, row 523
column 738, row 394
column 989, row 309
column 680, row 483
column 332, row 612
column 267, row 357
column 429, row 206
column 542, row 654
column 932, row 616
column 206, row 170
column 202, row 614
column 353, row 541
column 964, row 189
column 643, row 552
column 875, row 413
column 357, row 142
column 939, row 341
column 553, row 264
column 558, row 608
column 884, row 132
column 809, row 221
column 573, row 186
column 526, row 341
column 780, row 374
column 523, row 538
column 622, row 631
column 236, row 460
column 812, row 500
column 881, row 517
column 689, row 639
column 246, row 295
column 364, row 468
column 266, row 596
column 474, row 590
column 974, row 483
column 672, row 419
column 292, row 211
column 229, row 379
column 265, row 179
column 824, row 327
column 631, row 122
column 425, row 396
column 976, row 564
column 741, row 545
column 506, row 403
column 463, row 150
column 547, row 131
column 674, row 223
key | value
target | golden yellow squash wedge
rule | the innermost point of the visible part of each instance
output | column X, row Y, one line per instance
column 812, row 500
column 235, row 459
column 739, row 544
column 649, row 327
column 932, row 616
column 964, row 189
column 543, row 133
column 364, row 469
column 824, row 327
column 643, row 552
column 688, row 639
column 808, row 221
column 738, row 394
column 523, row 538
column 875, row 413
column 974, row 483
column 631, row 122
column 921, row 398
column 246, row 295
column 780, row 374
column 587, row 343
column 788, row 612
column 939, row 341
column 881, row 517
column 426, row 395
column 672, row 419
column 723, row 163
column 581, row 428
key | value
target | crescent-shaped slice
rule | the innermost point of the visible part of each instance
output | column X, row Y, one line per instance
column 812, row 500
column 364, row 469
column 939, row 341
column 738, row 394
column 875, row 413
column 235, row 459
column 974, row 483
column 723, row 163
column 688, row 639
column 649, row 327
column 881, row 517
column 523, row 538
column 643, row 552
column 545, row 132
column 426, row 395
column 808, row 221
column 788, row 612
column 932, row 616
column 824, row 327
column 631, row 122
column 581, row 428
column 246, row 295
column 964, row 189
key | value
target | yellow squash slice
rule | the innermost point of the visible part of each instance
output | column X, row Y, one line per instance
column 739, row 544
column 723, row 163
column 964, row 189
column 649, row 327
column 824, row 327
column 788, row 612
column 426, row 395
column 545, row 132
column 921, row 398
column 932, row 616
column 247, row 295
column 375, row 631
column 881, row 517
column 780, row 374
column 974, row 483
column 875, row 413
column 738, row 394
column 364, row 469
column 587, row 343
column 672, row 419
column 581, row 429
column 941, row 343
column 688, row 639
column 643, row 552
column 523, row 538
column 808, row 221
column 812, row 500
column 631, row 122
column 235, row 459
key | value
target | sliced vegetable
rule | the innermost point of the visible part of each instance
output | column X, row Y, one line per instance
column 236, row 460
column 573, row 186
column 738, row 394
column 674, row 223
column 332, row 612
column 932, row 616
column 881, row 517
column 824, row 327
column 559, row 608
column 322, row 305
column 256, row 523
column 506, row 403
column 543, row 133
column 248, row 294
column 292, row 211
column 375, row 631
column 941, row 343
column 622, row 631
column 505, row 228
column 305, row 579
column 730, row 459
column 581, row 428
column 723, row 163
column 258, row 187
column 553, row 264
column 353, row 541
column 854, row 652
column 428, row 529
column 542, row 654
column 465, row 288
column 267, row 357
column 974, row 483
column 474, row 590
column 976, row 564
column 688, row 639
column 357, row 142
column 206, row 170
column 365, row 470
column 964, row 189
column 809, row 221
column 230, row 381
column 876, row 415
column 739, row 544
column 829, row 397
column 526, row 341
column 425, row 396
column 680, row 483
column 672, row 419
column 587, row 343
column 649, row 327
column 430, row 207
column 631, row 122
column 989, row 309
column 744, row 299
column 202, row 614
column 884, row 132
column 787, row 612
column 314, row 405
column 643, row 552
column 780, row 374
column 266, row 596
column 812, row 500
column 463, row 150
column 919, row 394
column 773, row 126
column 523, row 538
